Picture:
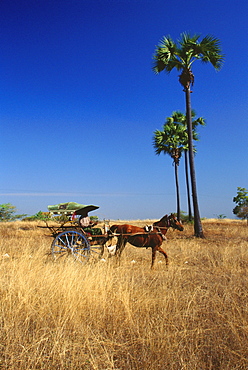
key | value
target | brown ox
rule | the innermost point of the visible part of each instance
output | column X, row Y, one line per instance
column 140, row 237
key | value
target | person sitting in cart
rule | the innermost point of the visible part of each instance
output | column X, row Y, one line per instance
column 85, row 222
column 87, row 225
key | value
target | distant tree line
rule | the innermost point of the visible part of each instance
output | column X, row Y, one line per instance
column 8, row 213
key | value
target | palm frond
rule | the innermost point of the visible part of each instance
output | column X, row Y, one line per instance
column 211, row 51
column 199, row 121
column 165, row 56
column 187, row 39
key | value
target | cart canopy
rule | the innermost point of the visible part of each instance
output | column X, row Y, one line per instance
column 70, row 208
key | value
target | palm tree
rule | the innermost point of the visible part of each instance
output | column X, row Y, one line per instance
column 181, row 55
column 171, row 141
column 180, row 118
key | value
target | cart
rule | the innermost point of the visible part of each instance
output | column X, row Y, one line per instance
column 70, row 238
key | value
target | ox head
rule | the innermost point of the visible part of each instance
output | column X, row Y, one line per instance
column 170, row 221
column 174, row 223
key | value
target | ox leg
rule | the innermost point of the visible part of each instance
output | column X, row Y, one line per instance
column 154, row 250
column 164, row 254
column 120, row 247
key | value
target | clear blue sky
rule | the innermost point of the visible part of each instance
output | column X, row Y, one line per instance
column 79, row 104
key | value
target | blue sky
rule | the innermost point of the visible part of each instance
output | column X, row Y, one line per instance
column 79, row 104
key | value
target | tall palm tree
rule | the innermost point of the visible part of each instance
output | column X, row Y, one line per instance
column 180, row 118
column 181, row 55
column 171, row 141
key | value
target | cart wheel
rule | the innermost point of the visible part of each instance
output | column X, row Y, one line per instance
column 71, row 243
column 96, row 251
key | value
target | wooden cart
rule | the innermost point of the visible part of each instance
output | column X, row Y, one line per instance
column 70, row 239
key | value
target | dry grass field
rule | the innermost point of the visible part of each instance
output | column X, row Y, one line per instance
column 192, row 315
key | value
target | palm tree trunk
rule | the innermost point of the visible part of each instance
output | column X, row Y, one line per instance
column 177, row 191
column 187, row 184
column 197, row 220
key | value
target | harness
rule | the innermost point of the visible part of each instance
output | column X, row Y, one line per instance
column 160, row 232
column 149, row 230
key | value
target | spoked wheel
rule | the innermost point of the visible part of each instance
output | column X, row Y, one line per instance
column 96, row 251
column 71, row 243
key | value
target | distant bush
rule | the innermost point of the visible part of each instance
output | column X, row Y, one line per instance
column 43, row 216
column 241, row 200
column 221, row 216
column 185, row 218
column 94, row 218
column 7, row 213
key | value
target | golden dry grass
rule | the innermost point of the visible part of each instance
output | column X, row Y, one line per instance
column 192, row 315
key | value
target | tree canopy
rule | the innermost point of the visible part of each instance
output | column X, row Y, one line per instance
column 241, row 200
column 7, row 213
column 184, row 52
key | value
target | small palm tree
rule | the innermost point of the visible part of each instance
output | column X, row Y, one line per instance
column 181, row 55
column 171, row 141
column 180, row 118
